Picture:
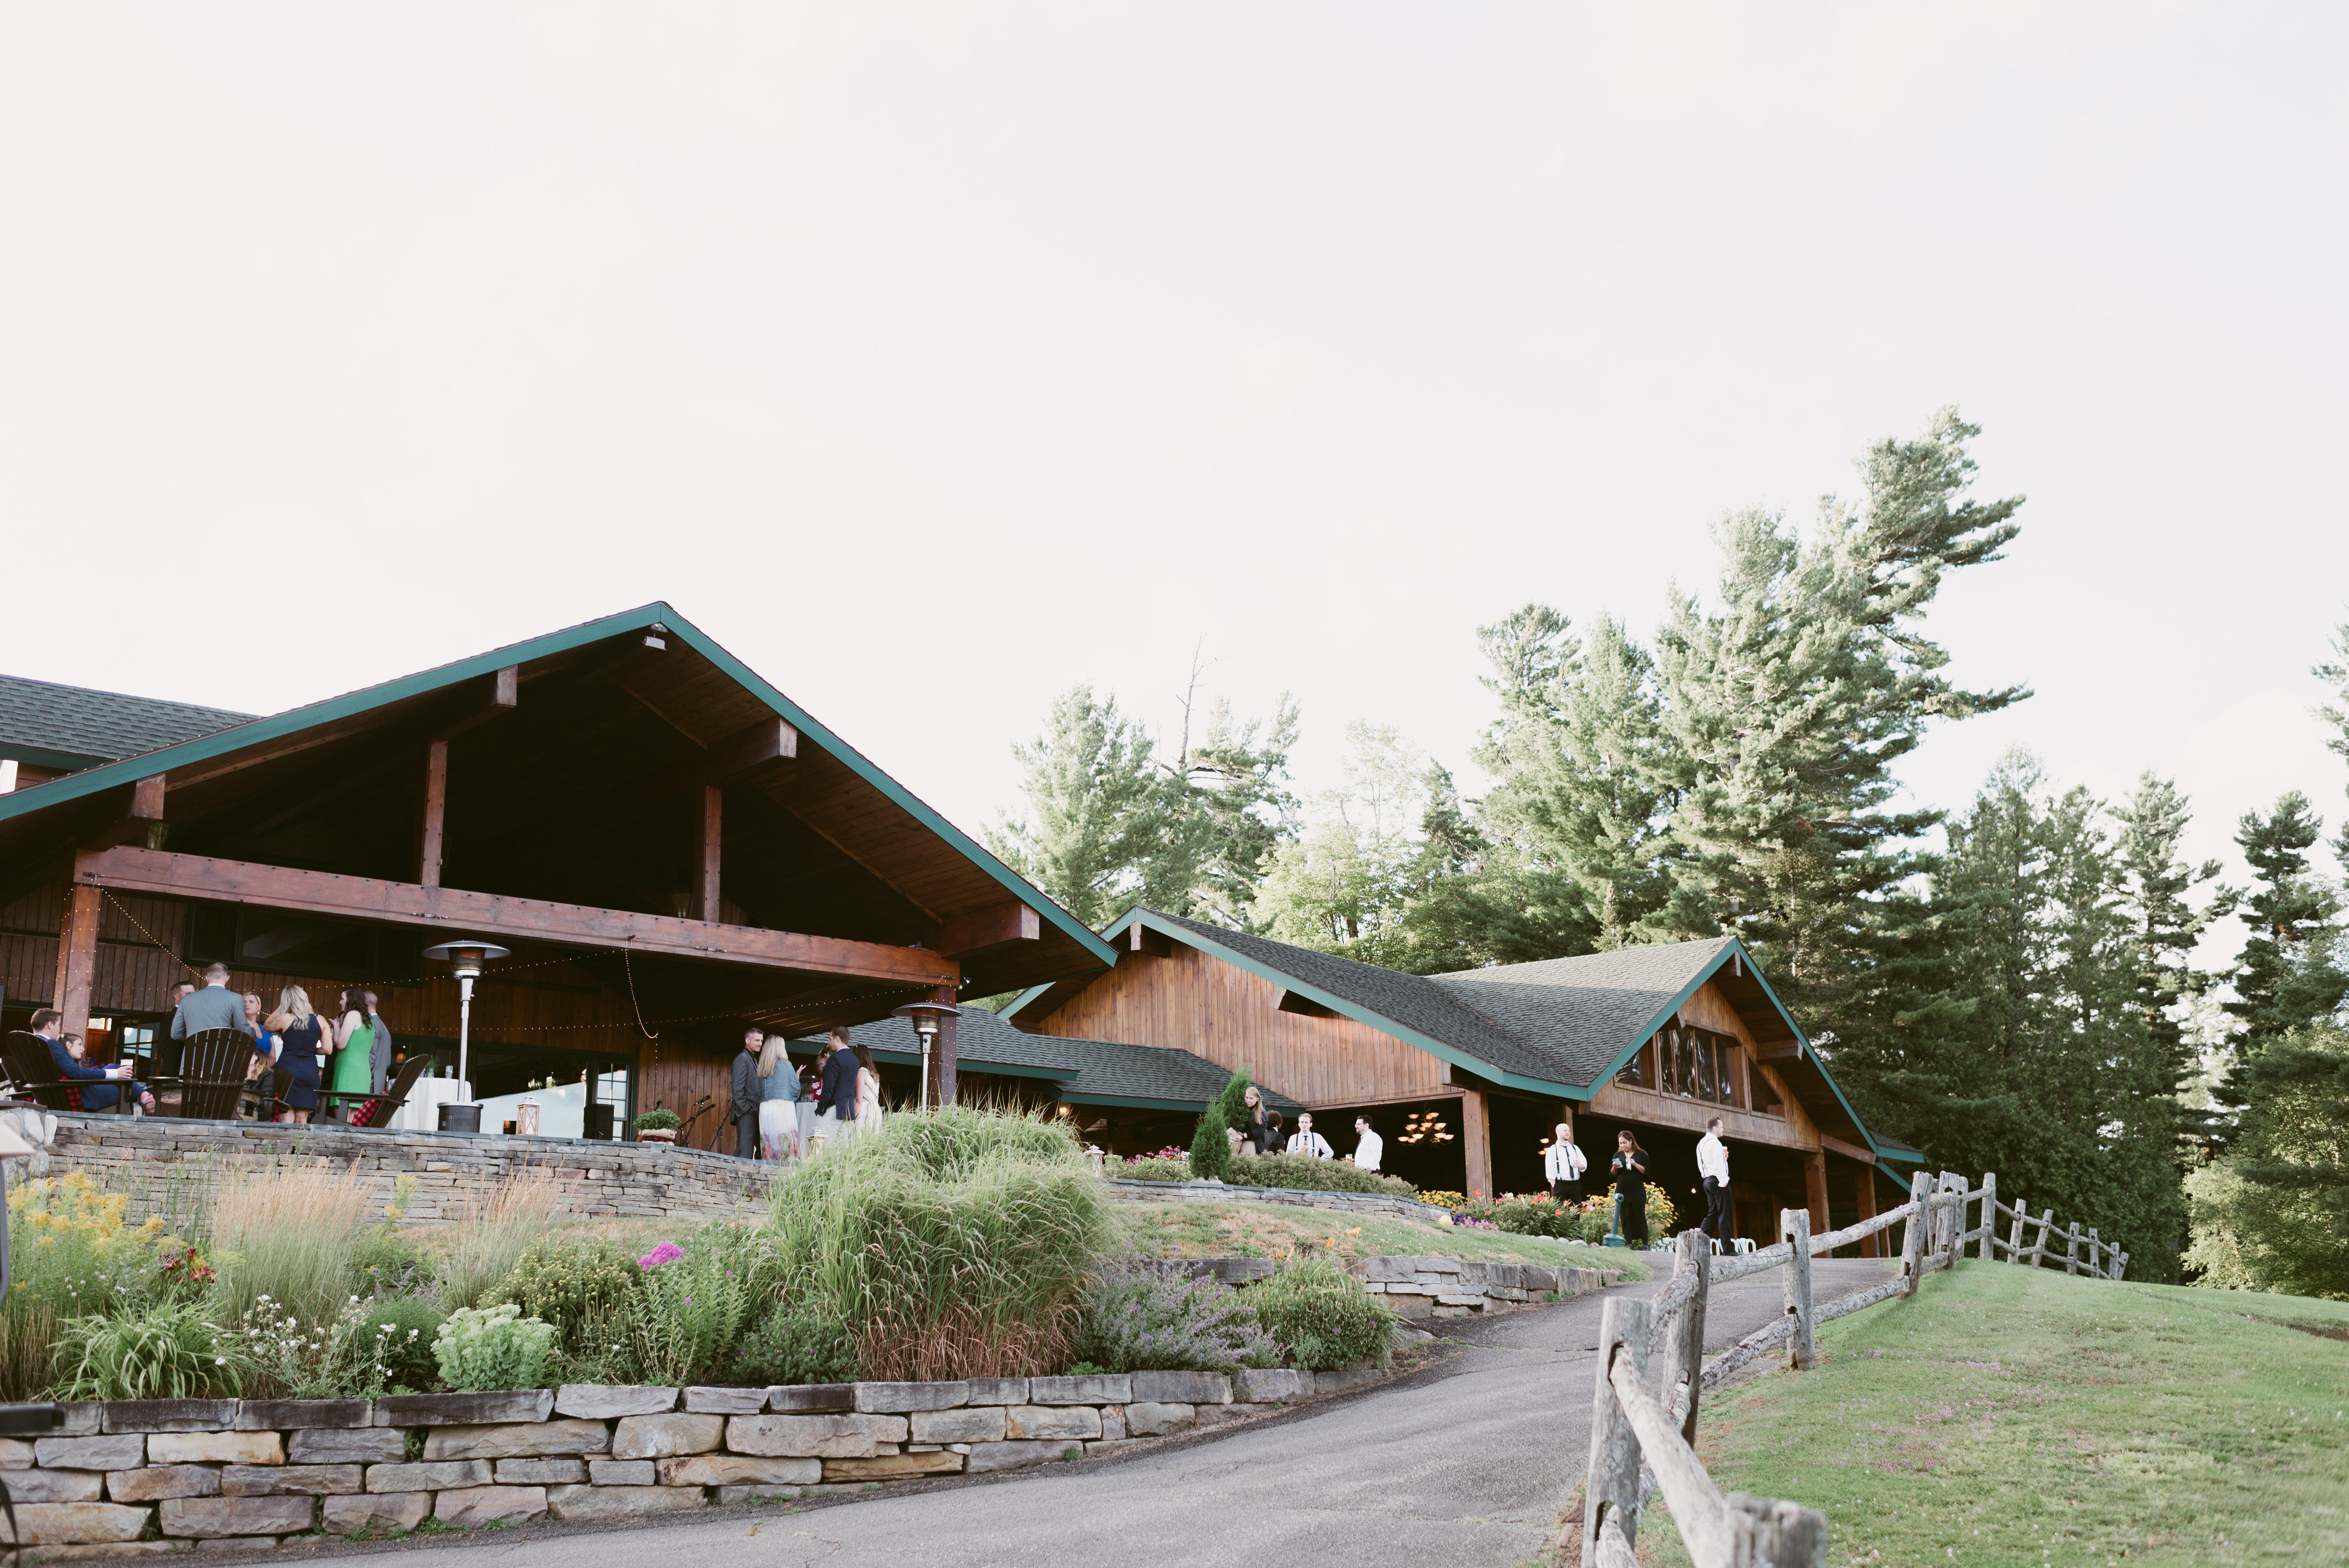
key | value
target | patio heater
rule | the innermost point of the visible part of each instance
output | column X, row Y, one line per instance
column 925, row 1016
column 465, row 960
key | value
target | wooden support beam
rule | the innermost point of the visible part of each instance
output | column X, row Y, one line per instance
column 713, row 821
column 141, row 821
column 1476, row 1144
column 1872, row 1245
column 994, row 926
column 431, row 834
column 1140, row 938
column 1778, row 1051
column 942, row 1053
column 77, row 956
column 503, row 693
column 1848, row 1150
column 1815, row 1174
column 461, row 913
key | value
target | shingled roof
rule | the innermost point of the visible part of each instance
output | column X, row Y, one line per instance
column 75, row 727
column 1582, row 1012
column 1084, row 1072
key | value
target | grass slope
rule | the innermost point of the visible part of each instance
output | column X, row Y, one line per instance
column 2012, row 1417
column 1269, row 1230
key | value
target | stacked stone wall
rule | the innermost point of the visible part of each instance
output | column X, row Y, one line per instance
column 1417, row 1288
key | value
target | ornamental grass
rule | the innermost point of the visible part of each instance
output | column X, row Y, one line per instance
column 288, row 1235
column 957, row 1244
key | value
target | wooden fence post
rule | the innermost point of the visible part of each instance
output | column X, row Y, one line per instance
column 1989, row 1252
column 2046, row 1225
column 2014, row 1247
column 1912, row 1232
column 1612, row 1485
column 1954, row 1194
column 1795, row 1225
column 2072, row 1250
column 1684, row 1350
column 1784, row 1534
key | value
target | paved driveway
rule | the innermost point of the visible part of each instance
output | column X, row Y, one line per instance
column 1467, row 1462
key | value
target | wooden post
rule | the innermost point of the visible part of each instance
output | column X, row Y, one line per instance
column 1784, row 1534
column 1795, row 1225
column 2046, row 1223
column 942, row 1053
column 430, row 837
column 1815, row 1175
column 2014, row 1246
column 713, row 818
column 2095, row 1249
column 1611, row 1487
column 2072, row 1250
column 1869, row 1246
column 1683, row 1360
column 77, row 973
column 1912, row 1232
column 1476, row 1144
column 1989, row 1217
column 2120, row 1264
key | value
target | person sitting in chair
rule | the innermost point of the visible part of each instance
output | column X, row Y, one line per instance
column 101, row 1091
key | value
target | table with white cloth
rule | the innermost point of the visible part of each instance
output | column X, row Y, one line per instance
column 420, row 1112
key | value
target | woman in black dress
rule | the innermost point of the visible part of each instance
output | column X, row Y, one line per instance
column 303, row 1032
column 1630, row 1172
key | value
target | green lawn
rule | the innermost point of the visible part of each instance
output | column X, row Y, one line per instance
column 1271, row 1231
column 2012, row 1417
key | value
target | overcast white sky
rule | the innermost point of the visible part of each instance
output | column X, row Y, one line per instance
column 935, row 358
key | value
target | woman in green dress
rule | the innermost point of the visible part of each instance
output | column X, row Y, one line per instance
column 353, row 1071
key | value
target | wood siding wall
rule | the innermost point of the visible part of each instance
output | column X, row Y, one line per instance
column 1221, row 1012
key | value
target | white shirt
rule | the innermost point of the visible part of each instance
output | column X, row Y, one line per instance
column 1564, row 1162
column 1367, row 1152
column 1312, row 1145
column 1712, row 1157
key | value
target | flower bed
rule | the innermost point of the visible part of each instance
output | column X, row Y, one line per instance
column 119, row 1475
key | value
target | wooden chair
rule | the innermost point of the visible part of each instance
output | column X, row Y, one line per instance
column 35, row 1073
column 213, row 1066
column 366, row 1111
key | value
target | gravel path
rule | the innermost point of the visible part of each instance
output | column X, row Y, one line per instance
column 1466, row 1463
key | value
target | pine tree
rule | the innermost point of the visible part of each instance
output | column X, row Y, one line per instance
column 1098, row 811
column 2287, row 976
column 2158, row 888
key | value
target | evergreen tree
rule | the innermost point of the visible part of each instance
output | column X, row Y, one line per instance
column 2157, row 894
column 1098, row 813
column 2287, row 976
column 1232, row 806
column 2274, row 1214
column 2336, row 674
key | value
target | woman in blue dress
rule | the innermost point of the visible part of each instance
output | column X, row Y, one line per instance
column 298, row 1025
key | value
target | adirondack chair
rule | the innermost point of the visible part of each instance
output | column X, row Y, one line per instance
column 35, row 1073
column 374, row 1111
column 212, row 1068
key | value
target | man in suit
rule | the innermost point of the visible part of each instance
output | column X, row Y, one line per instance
column 744, row 1109
column 380, row 1058
column 835, row 1100
column 213, row 1007
column 100, row 1089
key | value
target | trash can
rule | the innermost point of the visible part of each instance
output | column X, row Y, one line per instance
column 599, row 1123
column 461, row 1118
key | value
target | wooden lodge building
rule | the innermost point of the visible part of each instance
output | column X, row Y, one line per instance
column 669, row 845
column 1464, row 1076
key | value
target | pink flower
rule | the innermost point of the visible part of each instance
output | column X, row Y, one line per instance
column 666, row 1252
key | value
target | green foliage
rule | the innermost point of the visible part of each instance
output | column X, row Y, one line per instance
column 655, row 1120
column 1211, row 1147
column 483, row 1349
column 157, row 1349
column 497, row 1223
column 1232, row 1103
column 73, row 1253
column 567, row 1281
column 1321, row 1317
column 1137, row 1319
column 408, row 1327
column 2288, row 975
column 1314, row 1175
column 386, row 1261
column 345, row 1355
column 2270, row 1216
column 290, row 1236
column 795, row 1344
column 972, row 1266
column 686, row 1316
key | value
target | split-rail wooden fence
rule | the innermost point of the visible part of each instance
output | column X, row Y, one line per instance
column 1643, row 1415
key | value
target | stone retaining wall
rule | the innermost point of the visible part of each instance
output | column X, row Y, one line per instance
column 1382, row 1203
column 591, row 1178
column 1417, row 1288
column 150, row 1476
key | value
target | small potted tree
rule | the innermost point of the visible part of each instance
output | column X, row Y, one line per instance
column 657, row 1127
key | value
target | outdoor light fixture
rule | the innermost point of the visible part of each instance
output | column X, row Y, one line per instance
column 926, row 1017
column 465, row 960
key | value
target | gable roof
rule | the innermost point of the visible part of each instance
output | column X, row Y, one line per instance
column 75, row 726
column 837, row 846
column 1558, row 1025
column 1086, row 1072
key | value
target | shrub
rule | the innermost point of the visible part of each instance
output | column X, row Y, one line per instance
column 76, row 1255
column 289, row 1235
column 954, row 1244
column 1139, row 1320
column 681, row 1320
column 796, row 1343
column 484, row 1348
column 385, row 1261
column 499, row 1221
column 346, row 1356
column 1314, row 1175
column 568, row 1281
column 1166, row 1165
column 656, row 1122
column 163, row 1349
column 1321, row 1317
column 408, row 1325
column 1211, row 1151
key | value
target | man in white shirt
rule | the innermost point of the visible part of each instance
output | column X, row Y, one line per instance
column 1712, row 1164
column 1563, row 1165
column 1307, row 1142
column 1368, row 1147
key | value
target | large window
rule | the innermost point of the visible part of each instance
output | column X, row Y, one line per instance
column 1694, row 1064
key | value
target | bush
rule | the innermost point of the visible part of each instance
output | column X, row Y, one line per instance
column 481, row 1349
column 76, row 1255
column 953, row 1244
column 796, row 1345
column 682, row 1318
column 1166, row 1165
column 346, row 1356
column 409, row 1326
column 656, row 1122
column 569, row 1281
column 386, row 1261
column 1321, row 1317
column 165, row 1349
column 1211, row 1151
column 1139, row 1320
column 1314, row 1175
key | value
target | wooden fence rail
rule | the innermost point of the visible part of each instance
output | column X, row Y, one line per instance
column 1643, row 1417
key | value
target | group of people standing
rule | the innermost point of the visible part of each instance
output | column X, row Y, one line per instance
column 1563, row 1164
column 767, row 1092
column 1262, row 1136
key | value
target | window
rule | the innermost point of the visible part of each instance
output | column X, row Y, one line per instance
column 1635, row 1074
column 1694, row 1064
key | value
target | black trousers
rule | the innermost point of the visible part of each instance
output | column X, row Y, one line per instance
column 1567, row 1191
column 745, row 1136
column 1717, row 1222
